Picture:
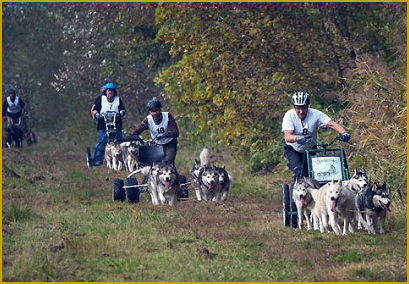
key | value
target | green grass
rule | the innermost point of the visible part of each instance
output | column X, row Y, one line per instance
column 66, row 228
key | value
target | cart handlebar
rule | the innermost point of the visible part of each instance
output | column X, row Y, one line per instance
column 338, row 138
column 133, row 138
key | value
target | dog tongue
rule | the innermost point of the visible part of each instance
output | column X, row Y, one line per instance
column 168, row 185
column 333, row 205
column 386, row 207
column 303, row 202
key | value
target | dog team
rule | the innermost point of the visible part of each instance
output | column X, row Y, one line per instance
column 122, row 157
column 210, row 183
column 342, row 206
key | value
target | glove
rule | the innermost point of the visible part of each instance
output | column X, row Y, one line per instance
column 302, row 140
column 122, row 112
column 345, row 137
column 97, row 116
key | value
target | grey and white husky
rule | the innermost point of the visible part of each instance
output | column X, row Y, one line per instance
column 358, row 181
column 303, row 200
column 163, row 183
column 167, row 183
column 372, row 204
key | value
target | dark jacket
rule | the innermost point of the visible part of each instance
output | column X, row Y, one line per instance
column 98, row 106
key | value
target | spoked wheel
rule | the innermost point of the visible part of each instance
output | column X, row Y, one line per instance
column 89, row 157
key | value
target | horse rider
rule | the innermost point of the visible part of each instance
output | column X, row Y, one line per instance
column 300, row 126
column 107, row 101
column 160, row 123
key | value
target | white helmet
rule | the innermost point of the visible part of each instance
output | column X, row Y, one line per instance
column 300, row 99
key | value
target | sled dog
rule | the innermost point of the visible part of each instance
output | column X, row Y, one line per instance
column 131, row 157
column 358, row 181
column 304, row 202
column 195, row 178
column 167, row 183
column 225, row 181
column 372, row 204
column 117, row 160
column 108, row 155
column 163, row 183
column 208, row 183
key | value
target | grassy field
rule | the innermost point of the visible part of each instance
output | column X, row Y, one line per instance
column 59, row 223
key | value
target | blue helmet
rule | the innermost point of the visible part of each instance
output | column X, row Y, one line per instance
column 110, row 86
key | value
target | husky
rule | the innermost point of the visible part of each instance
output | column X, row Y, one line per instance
column 208, row 183
column 151, row 175
column 304, row 202
column 225, row 181
column 195, row 178
column 117, row 159
column 197, row 171
column 205, row 157
column 358, row 181
column 108, row 155
column 167, row 183
column 342, row 206
column 130, row 155
column 373, row 203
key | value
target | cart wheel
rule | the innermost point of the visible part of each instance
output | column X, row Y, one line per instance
column 89, row 157
column 118, row 192
column 132, row 194
column 182, row 192
column 293, row 208
column 286, row 204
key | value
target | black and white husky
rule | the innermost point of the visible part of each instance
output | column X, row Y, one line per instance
column 358, row 181
column 372, row 204
column 225, row 180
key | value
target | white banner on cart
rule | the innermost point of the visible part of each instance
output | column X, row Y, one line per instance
column 326, row 168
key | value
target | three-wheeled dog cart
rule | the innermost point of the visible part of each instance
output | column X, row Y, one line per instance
column 323, row 164
column 149, row 153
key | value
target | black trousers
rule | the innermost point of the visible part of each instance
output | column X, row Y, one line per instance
column 295, row 161
column 170, row 149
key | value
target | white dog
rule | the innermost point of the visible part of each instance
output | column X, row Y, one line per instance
column 108, row 155
column 152, row 182
column 117, row 159
column 305, row 203
column 342, row 206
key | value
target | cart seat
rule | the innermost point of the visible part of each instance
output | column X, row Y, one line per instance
column 150, row 154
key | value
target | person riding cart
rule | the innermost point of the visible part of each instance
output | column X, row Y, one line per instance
column 13, row 107
column 300, row 126
column 161, row 124
column 108, row 110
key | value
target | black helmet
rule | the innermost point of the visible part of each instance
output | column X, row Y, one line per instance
column 153, row 104
column 11, row 91
column 300, row 99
